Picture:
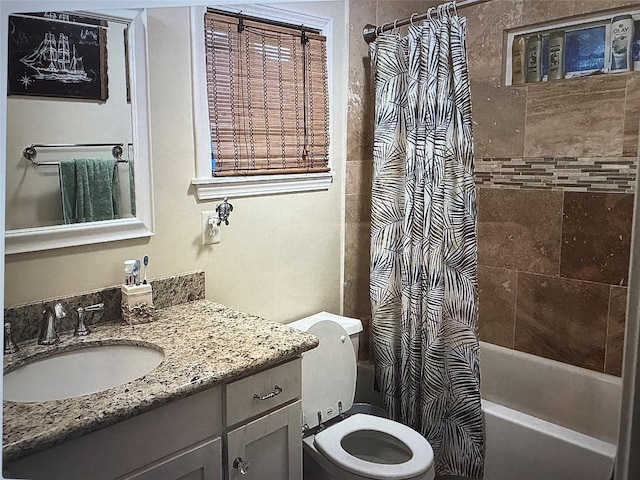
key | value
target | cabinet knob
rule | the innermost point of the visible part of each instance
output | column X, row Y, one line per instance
column 241, row 465
column 277, row 390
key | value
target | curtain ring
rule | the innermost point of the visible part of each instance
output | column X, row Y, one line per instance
column 430, row 12
column 395, row 26
column 411, row 18
column 441, row 10
column 453, row 9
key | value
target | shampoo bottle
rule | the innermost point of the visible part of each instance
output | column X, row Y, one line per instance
column 534, row 66
column 518, row 49
column 556, row 55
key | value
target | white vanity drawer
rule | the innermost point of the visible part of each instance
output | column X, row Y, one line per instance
column 263, row 391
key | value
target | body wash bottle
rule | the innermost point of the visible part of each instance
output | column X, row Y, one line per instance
column 622, row 32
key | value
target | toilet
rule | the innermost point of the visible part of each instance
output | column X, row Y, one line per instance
column 350, row 447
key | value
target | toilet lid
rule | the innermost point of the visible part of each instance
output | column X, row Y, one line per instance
column 328, row 374
column 397, row 441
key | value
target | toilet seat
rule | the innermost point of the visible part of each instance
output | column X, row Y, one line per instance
column 329, row 443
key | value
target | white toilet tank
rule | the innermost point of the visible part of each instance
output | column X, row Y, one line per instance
column 353, row 326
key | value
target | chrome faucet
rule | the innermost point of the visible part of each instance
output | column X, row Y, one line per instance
column 48, row 334
column 81, row 329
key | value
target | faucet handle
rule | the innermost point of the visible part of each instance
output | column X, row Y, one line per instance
column 81, row 329
column 60, row 312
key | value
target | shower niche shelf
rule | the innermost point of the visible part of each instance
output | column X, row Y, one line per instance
column 572, row 47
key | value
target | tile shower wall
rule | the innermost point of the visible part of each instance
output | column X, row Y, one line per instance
column 555, row 169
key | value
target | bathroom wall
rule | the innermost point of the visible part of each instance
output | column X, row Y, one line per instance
column 555, row 169
column 280, row 257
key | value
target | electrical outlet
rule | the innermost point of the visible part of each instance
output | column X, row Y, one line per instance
column 210, row 228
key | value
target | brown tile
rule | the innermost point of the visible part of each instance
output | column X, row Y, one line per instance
column 596, row 236
column 631, row 116
column 486, row 23
column 619, row 3
column 498, row 135
column 520, row 229
column 496, row 305
column 357, row 259
column 615, row 331
column 356, row 298
column 561, row 319
column 359, row 177
column 357, row 208
column 534, row 11
column 578, row 117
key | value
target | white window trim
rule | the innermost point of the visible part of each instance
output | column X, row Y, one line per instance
column 206, row 186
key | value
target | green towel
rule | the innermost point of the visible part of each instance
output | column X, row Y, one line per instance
column 132, row 188
column 90, row 190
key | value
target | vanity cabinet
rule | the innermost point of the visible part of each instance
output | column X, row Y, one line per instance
column 200, row 462
column 264, row 438
column 164, row 443
column 205, row 436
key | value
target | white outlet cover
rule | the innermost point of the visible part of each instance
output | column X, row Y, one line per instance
column 210, row 232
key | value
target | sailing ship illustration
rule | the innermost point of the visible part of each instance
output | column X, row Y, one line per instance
column 53, row 60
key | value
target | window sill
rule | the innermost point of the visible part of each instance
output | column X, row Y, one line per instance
column 250, row 186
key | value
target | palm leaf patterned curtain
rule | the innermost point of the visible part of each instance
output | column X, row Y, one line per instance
column 423, row 241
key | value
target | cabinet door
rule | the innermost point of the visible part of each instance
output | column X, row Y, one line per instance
column 269, row 447
column 200, row 462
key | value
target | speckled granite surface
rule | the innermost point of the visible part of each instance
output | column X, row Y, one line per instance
column 204, row 343
column 25, row 319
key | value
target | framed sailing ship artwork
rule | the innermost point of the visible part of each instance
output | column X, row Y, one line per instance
column 57, row 55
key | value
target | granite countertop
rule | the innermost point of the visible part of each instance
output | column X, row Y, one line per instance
column 204, row 343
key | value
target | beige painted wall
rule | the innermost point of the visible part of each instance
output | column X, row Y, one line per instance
column 280, row 257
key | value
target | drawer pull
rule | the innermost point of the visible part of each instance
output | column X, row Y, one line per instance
column 241, row 465
column 277, row 390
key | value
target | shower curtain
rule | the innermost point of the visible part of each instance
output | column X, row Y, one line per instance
column 423, row 240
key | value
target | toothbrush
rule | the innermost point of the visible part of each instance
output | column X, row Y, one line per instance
column 136, row 273
column 145, row 261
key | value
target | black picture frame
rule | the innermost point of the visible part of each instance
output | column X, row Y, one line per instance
column 57, row 55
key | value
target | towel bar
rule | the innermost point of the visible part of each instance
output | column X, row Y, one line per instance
column 30, row 152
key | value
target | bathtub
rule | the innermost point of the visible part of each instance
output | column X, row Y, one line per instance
column 544, row 420
column 524, row 447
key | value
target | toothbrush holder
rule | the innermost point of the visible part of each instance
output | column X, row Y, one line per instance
column 137, row 303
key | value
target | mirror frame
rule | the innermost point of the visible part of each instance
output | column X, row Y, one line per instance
column 142, row 225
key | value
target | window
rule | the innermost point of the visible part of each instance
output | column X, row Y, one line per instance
column 267, row 89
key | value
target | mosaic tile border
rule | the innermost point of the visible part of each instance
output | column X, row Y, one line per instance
column 596, row 174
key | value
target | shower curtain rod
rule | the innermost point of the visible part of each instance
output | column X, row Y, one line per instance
column 371, row 32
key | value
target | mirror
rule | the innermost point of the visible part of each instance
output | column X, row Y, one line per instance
column 77, row 123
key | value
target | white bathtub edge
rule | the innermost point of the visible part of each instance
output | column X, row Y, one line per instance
column 571, row 436
column 561, row 394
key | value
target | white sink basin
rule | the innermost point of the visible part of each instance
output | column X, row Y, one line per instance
column 79, row 372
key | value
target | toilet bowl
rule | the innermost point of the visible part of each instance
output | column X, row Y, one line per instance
column 360, row 446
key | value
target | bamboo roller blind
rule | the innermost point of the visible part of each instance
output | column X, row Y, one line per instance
column 268, row 98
